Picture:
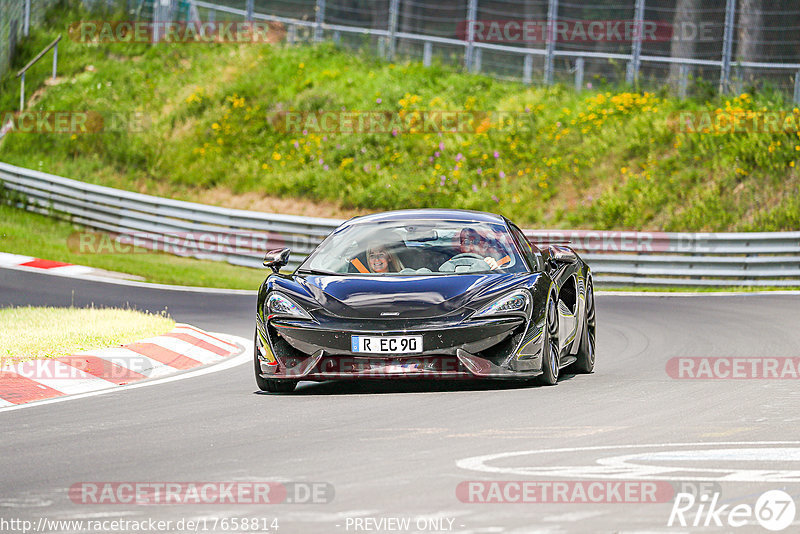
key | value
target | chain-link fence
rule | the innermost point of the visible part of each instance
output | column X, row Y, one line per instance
column 16, row 19
column 692, row 45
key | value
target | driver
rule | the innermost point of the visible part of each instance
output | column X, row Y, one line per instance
column 472, row 242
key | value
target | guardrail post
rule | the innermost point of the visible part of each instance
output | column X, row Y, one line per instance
column 727, row 46
column 683, row 80
column 291, row 35
column 320, row 19
column 26, row 25
column 427, row 53
column 579, row 74
column 250, row 8
column 212, row 15
column 527, row 69
column 797, row 87
column 337, row 37
column 550, row 35
column 472, row 14
column 394, row 12
column 636, row 50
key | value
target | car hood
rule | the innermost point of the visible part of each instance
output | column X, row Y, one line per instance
column 403, row 296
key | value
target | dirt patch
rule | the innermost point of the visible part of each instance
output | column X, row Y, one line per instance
column 220, row 196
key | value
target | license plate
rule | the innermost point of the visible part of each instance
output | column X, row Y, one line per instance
column 387, row 344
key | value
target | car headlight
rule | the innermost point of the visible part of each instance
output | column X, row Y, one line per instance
column 518, row 301
column 282, row 305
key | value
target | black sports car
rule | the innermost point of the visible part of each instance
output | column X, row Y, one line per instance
column 427, row 293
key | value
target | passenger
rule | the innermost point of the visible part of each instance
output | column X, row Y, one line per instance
column 381, row 260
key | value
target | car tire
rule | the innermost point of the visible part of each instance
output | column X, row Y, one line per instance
column 550, row 356
column 586, row 351
column 272, row 385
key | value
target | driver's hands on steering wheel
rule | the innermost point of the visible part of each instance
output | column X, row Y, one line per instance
column 492, row 262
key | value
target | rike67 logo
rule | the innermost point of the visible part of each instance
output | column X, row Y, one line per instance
column 774, row 510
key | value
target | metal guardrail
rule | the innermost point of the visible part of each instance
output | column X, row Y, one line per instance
column 240, row 237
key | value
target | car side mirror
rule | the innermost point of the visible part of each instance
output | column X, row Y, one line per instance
column 275, row 259
column 562, row 255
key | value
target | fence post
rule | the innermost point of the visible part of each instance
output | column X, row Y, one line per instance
column 550, row 35
column 55, row 60
column 579, row 74
column 320, row 19
column 212, row 15
column 22, row 93
column 291, row 35
column 26, row 25
column 636, row 50
column 797, row 87
column 394, row 12
column 472, row 14
column 250, row 9
column 477, row 57
column 727, row 46
column 527, row 69
column 683, row 80
column 427, row 53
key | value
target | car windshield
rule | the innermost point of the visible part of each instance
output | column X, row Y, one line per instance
column 417, row 248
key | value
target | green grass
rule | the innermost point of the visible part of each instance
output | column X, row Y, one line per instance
column 30, row 333
column 608, row 160
column 36, row 235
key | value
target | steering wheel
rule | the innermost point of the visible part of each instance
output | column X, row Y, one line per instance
column 467, row 259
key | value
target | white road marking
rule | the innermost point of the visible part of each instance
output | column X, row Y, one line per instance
column 617, row 468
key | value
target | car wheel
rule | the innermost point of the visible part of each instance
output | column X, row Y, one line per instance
column 586, row 350
column 550, row 357
column 273, row 385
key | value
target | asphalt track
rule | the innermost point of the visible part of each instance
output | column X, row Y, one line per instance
column 401, row 449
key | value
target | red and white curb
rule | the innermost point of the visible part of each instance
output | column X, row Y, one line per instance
column 17, row 260
column 185, row 347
